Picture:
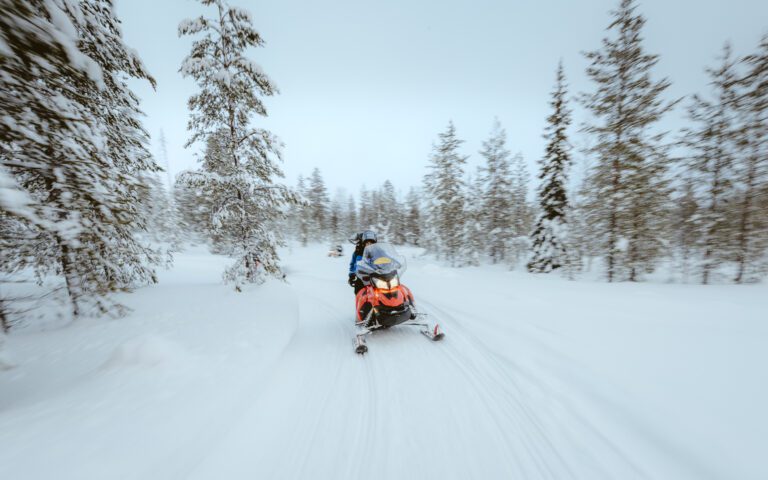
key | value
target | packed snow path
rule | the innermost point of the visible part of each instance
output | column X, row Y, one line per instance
column 537, row 378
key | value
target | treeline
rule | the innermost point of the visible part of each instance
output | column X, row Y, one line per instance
column 318, row 217
column 695, row 200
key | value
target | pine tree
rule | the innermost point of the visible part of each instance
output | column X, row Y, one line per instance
column 412, row 229
column 686, row 216
column 193, row 209
column 475, row 234
column 75, row 147
column 549, row 234
column 366, row 208
column 337, row 217
column 165, row 161
column 155, row 208
column 248, row 202
column 390, row 217
column 752, row 169
column 583, row 224
column 495, row 194
column 303, row 213
column 444, row 188
column 317, row 195
column 628, row 188
column 521, row 213
column 351, row 224
column 710, row 168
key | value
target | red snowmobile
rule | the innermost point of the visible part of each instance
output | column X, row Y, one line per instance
column 384, row 302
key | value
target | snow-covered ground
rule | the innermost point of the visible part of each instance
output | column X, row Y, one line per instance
column 538, row 377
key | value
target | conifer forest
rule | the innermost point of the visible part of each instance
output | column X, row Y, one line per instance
column 600, row 282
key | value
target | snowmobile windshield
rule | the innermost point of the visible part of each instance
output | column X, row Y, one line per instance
column 381, row 260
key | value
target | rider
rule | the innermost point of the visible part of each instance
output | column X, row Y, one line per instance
column 362, row 240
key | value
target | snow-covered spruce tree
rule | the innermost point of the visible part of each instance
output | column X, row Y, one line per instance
column 444, row 189
column 476, row 237
column 76, row 146
column 249, row 202
column 302, row 213
column 521, row 213
column 379, row 220
column 165, row 213
column 549, row 235
column 495, row 209
column 40, row 68
column 686, row 217
column 123, row 258
column 350, row 223
column 336, row 216
column 583, row 224
column 710, row 167
column 390, row 215
column 627, row 188
column 156, row 208
column 317, row 195
column 366, row 209
column 412, row 214
column 193, row 209
column 752, row 169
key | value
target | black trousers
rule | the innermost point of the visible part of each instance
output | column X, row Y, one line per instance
column 359, row 285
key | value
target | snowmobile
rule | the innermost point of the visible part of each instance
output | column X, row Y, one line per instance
column 384, row 302
column 336, row 251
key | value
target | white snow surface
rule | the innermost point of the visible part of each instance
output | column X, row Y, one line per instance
column 538, row 377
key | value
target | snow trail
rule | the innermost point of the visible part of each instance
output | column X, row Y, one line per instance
column 201, row 382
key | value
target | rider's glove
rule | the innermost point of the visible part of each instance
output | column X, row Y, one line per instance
column 351, row 280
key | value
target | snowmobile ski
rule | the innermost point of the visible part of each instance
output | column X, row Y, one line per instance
column 360, row 345
column 433, row 333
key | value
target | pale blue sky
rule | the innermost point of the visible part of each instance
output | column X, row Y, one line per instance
column 367, row 85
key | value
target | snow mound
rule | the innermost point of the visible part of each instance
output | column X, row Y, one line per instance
column 147, row 351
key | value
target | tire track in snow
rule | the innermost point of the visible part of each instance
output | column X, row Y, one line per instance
column 495, row 369
column 507, row 409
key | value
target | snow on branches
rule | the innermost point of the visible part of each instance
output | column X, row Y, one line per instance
column 240, row 161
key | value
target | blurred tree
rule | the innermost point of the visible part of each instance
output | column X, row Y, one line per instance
column 752, row 169
column 629, row 193
column 710, row 169
column 444, row 189
column 494, row 195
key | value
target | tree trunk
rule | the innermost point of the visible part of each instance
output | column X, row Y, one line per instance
column 69, row 277
column 746, row 207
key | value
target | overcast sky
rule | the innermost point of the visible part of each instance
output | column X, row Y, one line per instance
column 366, row 86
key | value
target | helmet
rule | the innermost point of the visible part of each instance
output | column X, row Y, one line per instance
column 368, row 236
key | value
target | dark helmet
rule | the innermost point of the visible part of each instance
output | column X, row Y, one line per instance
column 368, row 236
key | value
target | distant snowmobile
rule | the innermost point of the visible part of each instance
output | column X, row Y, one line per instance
column 336, row 251
column 384, row 302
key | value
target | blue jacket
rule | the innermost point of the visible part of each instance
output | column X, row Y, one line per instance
column 356, row 257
